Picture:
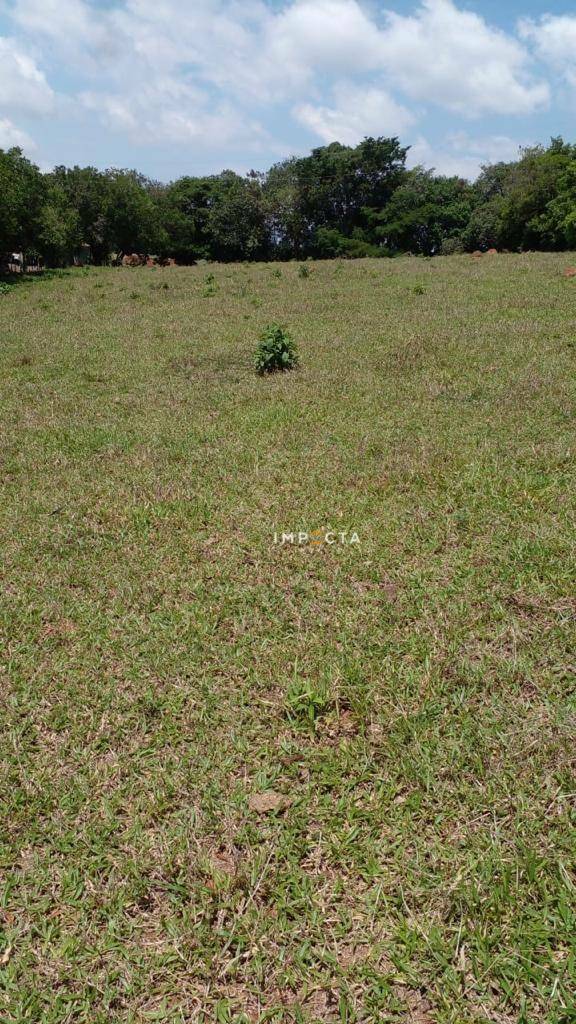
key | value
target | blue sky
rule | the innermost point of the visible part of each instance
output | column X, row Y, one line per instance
column 176, row 87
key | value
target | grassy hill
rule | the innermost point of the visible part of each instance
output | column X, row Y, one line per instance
column 251, row 781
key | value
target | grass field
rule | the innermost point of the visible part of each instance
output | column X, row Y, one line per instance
column 249, row 781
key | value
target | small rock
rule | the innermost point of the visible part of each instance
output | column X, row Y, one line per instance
column 263, row 803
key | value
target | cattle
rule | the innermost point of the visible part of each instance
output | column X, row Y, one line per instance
column 16, row 262
column 570, row 272
column 137, row 259
column 133, row 260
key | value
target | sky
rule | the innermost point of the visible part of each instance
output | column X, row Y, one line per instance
column 174, row 87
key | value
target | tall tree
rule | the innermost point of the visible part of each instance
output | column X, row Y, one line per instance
column 424, row 212
column 338, row 186
column 22, row 192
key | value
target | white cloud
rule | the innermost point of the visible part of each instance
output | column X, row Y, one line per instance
column 23, row 87
column 170, row 110
column 462, row 155
column 326, row 36
column 554, row 39
column 10, row 136
column 207, row 71
column 453, row 58
column 65, row 20
column 356, row 111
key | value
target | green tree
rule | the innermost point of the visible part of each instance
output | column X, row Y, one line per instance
column 87, row 192
column 286, row 226
column 58, row 229
column 237, row 222
column 526, row 204
column 424, row 212
column 132, row 216
column 22, row 191
column 186, row 209
column 341, row 187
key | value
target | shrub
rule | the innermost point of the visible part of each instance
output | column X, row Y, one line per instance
column 303, row 271
column 418, row 289
column 276, row 351
column 452, row 247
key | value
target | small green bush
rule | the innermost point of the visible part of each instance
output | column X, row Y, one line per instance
column 276, row 351
column 303, row 271
column 306, row 702
column 419, row 289
column 452, row 247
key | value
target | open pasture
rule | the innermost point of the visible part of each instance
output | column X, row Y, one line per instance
column 247, row 781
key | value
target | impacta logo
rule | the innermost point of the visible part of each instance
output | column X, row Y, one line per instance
column 317, row 538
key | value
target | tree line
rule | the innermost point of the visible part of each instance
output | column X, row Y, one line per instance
column 339, row 201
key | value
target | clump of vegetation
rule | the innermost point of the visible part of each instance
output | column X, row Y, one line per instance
column 276, row 351
column 277, row 272
column 211, row 286
column 419, row 289
column 5, row 288
column 306, row 702
column 303, row 271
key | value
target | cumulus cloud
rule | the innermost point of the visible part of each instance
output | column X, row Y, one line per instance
column 10, row 136
column 334, row 36
column 169, row 110
column 463, row 155
column 454, row 58
column 163, row 71
column 554, row 40
column 23, row 87
column 356, row 111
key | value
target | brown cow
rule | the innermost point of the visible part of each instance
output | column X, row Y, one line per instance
column 133, row 260
column 492, row 252
column 570, row 272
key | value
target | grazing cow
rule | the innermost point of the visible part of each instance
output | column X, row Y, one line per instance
column 570, row 272
column 492, row 252
column 133, row 260
column 478, row 254
column 16, row 262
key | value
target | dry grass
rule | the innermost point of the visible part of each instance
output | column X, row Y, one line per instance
column 250, row 782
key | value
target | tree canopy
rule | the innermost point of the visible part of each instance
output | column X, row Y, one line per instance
column 337, row 201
